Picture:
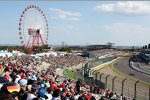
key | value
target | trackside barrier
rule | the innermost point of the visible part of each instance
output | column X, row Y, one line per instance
column 121, row 85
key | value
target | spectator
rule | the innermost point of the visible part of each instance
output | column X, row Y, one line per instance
column 49, row 95
column 33, row 93
column 56, row 95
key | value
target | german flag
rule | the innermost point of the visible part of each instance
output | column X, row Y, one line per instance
column 13, row 88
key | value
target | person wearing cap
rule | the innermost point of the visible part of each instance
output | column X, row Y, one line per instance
column 42, row 92
column 34, row 90
column 49, row 95
column 23, row 91
column 23, row 82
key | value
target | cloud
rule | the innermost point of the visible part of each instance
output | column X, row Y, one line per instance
column 126, row 7
column 74, row 19
column 126, row 33
column 127, row 27
column 62, row 14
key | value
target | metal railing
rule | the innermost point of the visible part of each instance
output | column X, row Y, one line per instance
column 122, row 86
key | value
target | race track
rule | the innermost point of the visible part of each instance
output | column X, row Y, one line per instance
column 123, row 66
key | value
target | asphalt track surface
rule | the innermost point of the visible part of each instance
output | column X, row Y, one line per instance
column 123, row 66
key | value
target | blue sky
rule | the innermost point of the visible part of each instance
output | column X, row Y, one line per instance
column 83, row 22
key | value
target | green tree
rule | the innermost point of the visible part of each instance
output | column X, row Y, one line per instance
column 25, row 50
column 66, row 49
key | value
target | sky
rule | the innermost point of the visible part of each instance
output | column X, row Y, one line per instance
column 125, row 23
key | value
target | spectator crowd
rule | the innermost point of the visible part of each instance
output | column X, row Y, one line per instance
column 19, row 82
column 107, row 52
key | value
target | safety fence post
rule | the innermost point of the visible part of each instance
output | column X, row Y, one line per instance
column 135, row 89
column 101, row 77
column 149, row 92
column 123, row 85
column 106, row 81
column 113, row 83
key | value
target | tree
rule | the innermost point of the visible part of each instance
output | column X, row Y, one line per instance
column 66, row 49
column 26, row 50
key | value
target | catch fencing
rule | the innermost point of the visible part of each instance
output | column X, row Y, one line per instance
column 122, row 86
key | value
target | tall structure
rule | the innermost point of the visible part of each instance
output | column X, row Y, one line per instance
column 110, row 44
column 33, row 27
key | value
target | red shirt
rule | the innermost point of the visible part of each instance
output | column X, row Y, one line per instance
column 107, row 93
column 23, row 76
column 53, row 85
column 100, row 90
column 88, row 96
column 63, row 85
column 92, row 88
column 1, row 66
column 56, row 87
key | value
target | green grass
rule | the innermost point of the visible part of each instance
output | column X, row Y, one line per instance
column 70, row 73
column 147, row 68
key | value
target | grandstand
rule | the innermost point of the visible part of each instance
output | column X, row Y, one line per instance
column 141, row 57
column 97, row 47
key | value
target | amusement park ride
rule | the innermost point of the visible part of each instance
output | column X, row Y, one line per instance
column 33, row 27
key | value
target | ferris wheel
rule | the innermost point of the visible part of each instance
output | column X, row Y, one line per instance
column 33, row 27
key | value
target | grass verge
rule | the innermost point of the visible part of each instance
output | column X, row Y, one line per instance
column 70, row 73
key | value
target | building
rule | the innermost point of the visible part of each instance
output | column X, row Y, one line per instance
column 97, row 47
